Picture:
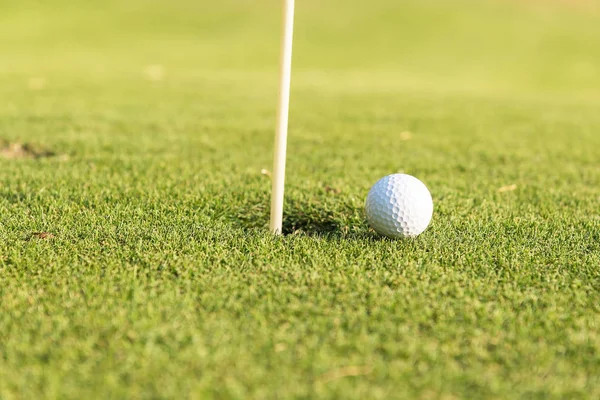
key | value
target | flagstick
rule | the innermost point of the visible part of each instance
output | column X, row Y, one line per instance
column 282, row 117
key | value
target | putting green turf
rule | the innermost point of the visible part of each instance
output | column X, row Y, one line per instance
column 158, row 278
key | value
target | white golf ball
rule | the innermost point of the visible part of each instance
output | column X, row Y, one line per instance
column 399, row 205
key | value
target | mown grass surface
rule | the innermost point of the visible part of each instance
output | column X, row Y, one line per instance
column 150, row 125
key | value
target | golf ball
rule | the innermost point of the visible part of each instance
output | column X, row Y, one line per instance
column 399, row 205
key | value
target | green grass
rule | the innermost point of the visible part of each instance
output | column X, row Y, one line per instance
column 161, row 281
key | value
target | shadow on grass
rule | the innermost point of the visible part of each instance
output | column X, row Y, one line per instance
column 310, row 224
column 312, row 217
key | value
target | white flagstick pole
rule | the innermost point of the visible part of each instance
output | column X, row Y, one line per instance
column 282, row 117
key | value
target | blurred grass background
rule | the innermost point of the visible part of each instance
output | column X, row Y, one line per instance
column 433, row 45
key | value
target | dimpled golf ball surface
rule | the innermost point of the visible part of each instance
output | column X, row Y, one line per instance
column 399, row 205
